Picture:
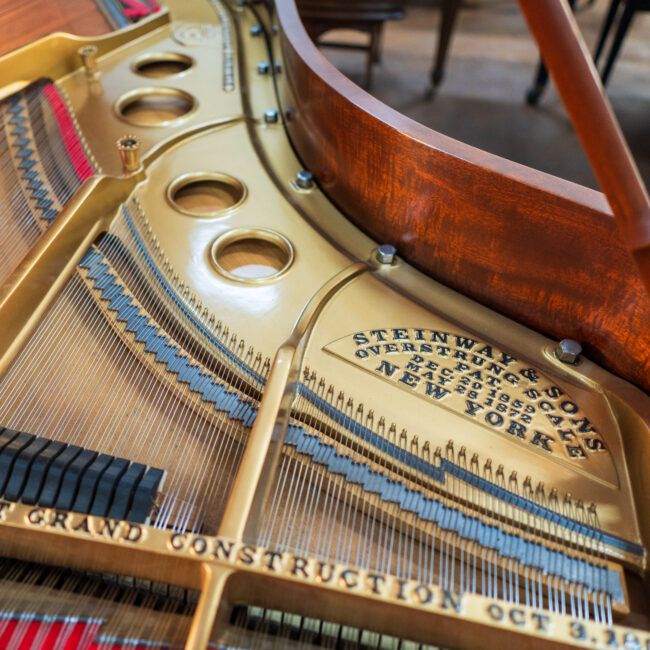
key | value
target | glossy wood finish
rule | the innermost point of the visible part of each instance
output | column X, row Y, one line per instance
column 579, row 85
column 541, row 250
column 22, row 21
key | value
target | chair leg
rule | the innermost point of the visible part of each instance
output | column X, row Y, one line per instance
column 449, row 13
column 372, row 54
column 380, row 38
column 607, row 25
column 541, row 79
column 623, row 26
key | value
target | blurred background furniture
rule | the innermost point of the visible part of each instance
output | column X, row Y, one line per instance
column 448, row 19
column 630, row 8
column 541, row 76
column 368, row 16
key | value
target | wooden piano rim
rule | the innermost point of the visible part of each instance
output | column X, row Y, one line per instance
column 567, row 230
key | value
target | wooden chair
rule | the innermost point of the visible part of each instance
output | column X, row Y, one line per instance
column 631, row 7
column 447, row 21
column 369, row 16
column 541, row 76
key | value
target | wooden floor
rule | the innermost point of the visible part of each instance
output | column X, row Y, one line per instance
column 22, row 21
column 492, row 61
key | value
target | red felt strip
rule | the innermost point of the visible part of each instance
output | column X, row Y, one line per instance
column 28, row 634
column 136, row 9
column 69, row 133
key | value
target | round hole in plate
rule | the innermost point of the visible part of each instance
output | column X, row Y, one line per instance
column 159, row 65
column 252, row 256
column 155, row 106
column 206, row 194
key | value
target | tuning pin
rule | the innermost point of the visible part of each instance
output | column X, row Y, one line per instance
column 512, row 481
column 450, row 450
column 528, row 487
column 349, row 406
column 426, row 451
column 415, row 444
column 567, row 506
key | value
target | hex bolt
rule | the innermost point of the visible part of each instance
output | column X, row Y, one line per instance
column 568, row 351
column 256, row 30
column 129, row 148
column 386, row 254
column 88, row 54
column 270, row 116
column 263, row 67
column 305, row 180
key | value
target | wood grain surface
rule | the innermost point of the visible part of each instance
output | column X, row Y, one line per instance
column 22, row 21
column 541, row 250
column 579, row 85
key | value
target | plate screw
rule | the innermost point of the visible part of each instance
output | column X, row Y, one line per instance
column 263, row 67
column 256, row 30
column 568, row 351
column 304, row 180
column 270, row 116
column 386, row 254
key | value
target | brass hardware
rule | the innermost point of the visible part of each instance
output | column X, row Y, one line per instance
column 88, row 54
column 129, row 148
